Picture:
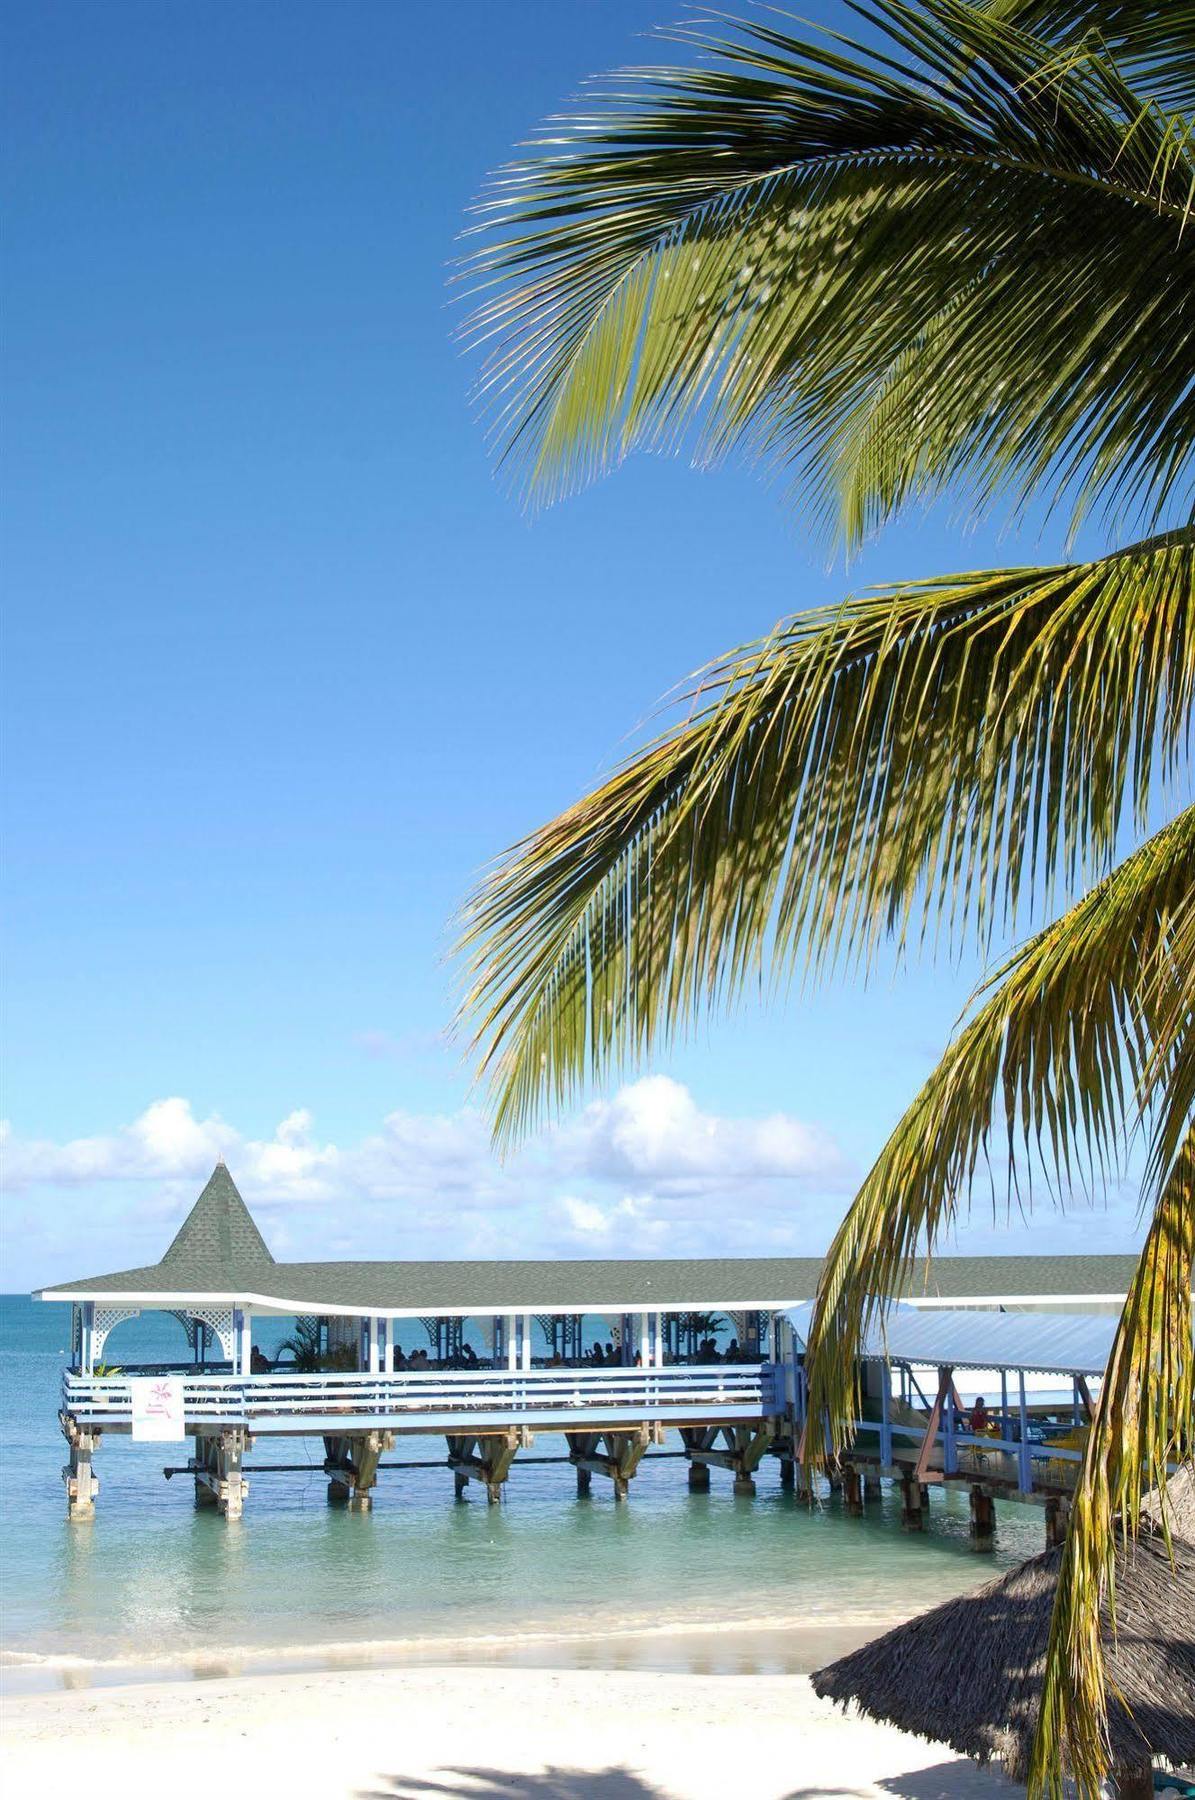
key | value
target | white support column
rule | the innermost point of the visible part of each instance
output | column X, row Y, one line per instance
column 658, row 1342
column 644, row 1354
column 86, row 1321
column 245, row 1336
column 1024, row 1459
column 386, row 1327
column 375, row 1346
column 525, row 1322
column 511, row 1343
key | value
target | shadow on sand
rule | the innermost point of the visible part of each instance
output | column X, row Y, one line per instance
column 506, row 1784
column 942, row 1781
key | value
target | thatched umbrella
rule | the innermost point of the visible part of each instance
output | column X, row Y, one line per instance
column 969, row 1673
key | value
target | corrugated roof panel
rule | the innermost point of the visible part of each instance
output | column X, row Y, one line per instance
column 1040, row 1343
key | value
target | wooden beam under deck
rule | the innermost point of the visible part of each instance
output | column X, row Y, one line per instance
column 491, row 1467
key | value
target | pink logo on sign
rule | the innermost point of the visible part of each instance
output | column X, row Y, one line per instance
column 157, row 1407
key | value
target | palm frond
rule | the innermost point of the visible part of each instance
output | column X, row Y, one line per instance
column 1072, row 1038
column 766, row 249
column 928, row 751
column 1143, row 1421
column 1175, row 1018
column 1152, row 41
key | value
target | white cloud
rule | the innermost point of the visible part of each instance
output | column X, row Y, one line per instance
column 645, row 1172
column 586, row 1218
column 654, row 1130
column 165, row 1140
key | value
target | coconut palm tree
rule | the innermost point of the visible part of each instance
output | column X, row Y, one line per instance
column 951, row 253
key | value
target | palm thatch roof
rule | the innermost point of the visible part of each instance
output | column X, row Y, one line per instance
column 968, row 1673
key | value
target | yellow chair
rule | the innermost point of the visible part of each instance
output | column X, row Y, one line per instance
column 1060, row 1471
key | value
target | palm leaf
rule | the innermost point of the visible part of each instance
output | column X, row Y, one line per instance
column 958, row 254
column 1152, row 41
column 769, row 249
column 930, row 751
column 1072, row 1037
column 1142, row 1422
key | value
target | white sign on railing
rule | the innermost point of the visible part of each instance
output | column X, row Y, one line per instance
column 157, row 1408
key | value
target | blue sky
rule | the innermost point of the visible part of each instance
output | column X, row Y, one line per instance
column 285, row 665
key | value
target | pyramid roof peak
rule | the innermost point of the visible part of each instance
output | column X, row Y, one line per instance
column 219, row 1228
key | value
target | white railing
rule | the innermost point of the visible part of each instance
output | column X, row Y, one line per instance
column 281, row 1400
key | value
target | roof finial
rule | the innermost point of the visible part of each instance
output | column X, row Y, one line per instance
column 220, row 1162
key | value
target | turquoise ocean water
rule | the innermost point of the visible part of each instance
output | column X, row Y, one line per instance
column 153, row 1582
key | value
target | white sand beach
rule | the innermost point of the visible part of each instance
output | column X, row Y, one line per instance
column 492, row 1734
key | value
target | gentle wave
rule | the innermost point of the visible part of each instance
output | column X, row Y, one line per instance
column 409, row 1649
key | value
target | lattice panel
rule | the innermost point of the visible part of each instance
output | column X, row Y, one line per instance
column 188, row 1325
column 220, row 1320
column 107, row 1318
column 342, row 1331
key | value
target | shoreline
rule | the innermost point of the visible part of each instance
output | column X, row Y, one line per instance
column 702, row 1647
column 475, row 1733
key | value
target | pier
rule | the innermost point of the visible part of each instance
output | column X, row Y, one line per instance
column 657, row 1369
column 1028, row 1446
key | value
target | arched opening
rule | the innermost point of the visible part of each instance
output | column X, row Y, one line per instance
column 150, row 1341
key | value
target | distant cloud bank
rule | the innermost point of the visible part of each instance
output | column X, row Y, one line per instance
column 645, row 1172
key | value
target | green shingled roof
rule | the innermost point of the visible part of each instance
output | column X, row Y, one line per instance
column 219, row 1250
column 219, row 1229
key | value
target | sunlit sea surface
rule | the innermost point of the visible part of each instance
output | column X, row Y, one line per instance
column 670, row 1579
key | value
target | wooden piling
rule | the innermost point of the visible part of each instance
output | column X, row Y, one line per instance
column 486, row 1459
column 742, row 1450
column 217, row 1467
column 351, row 1464
column 912, row 1515
column 80, row 1480
column 619, row 1459
column 1058, row 1512
column 983, row 1519
column 852, row 1491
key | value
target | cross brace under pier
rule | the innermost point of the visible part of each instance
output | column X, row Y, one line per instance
column 743, row 1449
column 217, row 1467
column 624, row 1451
column 486, row 1459
column 351, row 1463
